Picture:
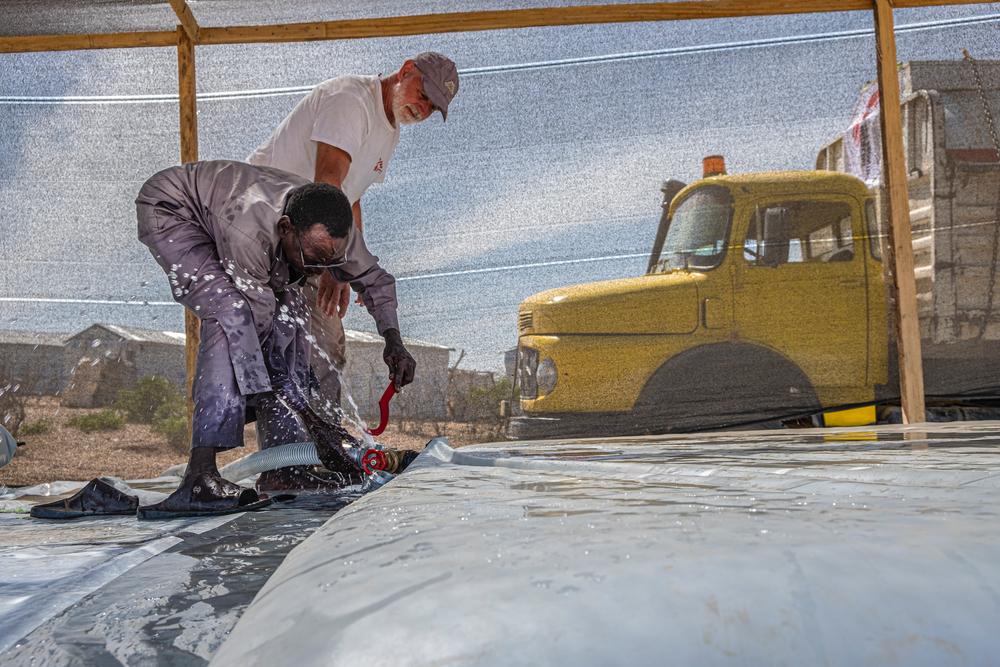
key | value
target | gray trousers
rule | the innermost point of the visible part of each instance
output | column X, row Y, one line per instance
column 220, row 411
column 185, row 251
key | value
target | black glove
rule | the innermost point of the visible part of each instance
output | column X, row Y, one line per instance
column 401, row 365
column 329, row 444
column 329, row 438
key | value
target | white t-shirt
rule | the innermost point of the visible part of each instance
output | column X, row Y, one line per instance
column 345, row 112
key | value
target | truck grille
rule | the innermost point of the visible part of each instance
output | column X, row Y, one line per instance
column 524, row 321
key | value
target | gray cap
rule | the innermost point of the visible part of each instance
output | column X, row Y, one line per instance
column 440, row 78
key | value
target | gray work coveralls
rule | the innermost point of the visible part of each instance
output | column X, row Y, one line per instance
column 212, row 227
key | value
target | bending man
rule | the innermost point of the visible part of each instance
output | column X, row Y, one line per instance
column 236, row 241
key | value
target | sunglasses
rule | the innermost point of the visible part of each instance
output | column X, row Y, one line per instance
column 302, row 256
column 327, row 265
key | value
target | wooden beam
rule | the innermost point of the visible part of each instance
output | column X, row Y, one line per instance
column 114, row 40
column 911, row 374
column 397, row 26
column 187, row 19
column 189, row 153
column 910, row 4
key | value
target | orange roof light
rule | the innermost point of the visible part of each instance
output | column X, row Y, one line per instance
column 713, row 165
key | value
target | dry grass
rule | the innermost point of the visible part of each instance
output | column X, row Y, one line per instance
column 135, row 452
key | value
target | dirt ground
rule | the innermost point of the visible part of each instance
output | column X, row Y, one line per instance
column 135, row 452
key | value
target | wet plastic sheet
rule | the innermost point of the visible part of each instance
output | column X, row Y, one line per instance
column 50, row 568
column 121, row 591
column 762, row 548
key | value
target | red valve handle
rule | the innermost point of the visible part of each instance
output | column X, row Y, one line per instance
column 383, row 407
column 372, row 460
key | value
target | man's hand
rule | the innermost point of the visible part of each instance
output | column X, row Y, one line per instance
column 401, row 365
column 329, row 444
column 329, row 438
column 333, row 296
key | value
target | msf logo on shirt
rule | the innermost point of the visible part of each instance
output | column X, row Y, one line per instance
column 379, row 166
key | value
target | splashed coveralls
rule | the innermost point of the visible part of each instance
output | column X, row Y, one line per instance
column 212, row 227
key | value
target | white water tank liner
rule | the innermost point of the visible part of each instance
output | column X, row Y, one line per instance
column 735, row 548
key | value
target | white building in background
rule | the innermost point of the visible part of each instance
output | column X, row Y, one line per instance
column 32, row 361
column 89, row 368
column 366, row 378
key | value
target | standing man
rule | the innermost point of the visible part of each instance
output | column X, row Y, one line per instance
column 344, row 133
column 235, row 242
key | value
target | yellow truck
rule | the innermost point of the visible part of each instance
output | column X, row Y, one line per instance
column 765, row 299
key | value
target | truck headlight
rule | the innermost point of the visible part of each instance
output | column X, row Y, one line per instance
column 527, row 365
column 546, row 376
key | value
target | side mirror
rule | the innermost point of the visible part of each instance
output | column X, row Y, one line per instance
column 669, row 189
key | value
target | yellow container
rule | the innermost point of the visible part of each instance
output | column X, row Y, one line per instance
column 863, row 416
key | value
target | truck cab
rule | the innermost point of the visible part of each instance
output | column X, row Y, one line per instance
column 758, row 308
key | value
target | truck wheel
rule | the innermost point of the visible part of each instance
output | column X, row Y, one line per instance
column 724, row 386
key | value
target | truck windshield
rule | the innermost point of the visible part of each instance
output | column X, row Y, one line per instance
column 698, row 231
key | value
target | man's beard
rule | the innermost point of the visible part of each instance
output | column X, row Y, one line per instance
column 404, row 113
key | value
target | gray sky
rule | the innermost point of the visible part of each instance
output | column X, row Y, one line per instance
column 546, row 174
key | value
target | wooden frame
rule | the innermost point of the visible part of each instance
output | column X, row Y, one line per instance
column 189, row 34
column 186, row 18
column 187, row 84
column 399, row 26
column 904, row 284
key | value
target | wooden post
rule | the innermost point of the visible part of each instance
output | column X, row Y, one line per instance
column 911, row 374
column 189, row 153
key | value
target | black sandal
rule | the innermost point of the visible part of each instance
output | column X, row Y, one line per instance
column 97, row 498
column 205, row 495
